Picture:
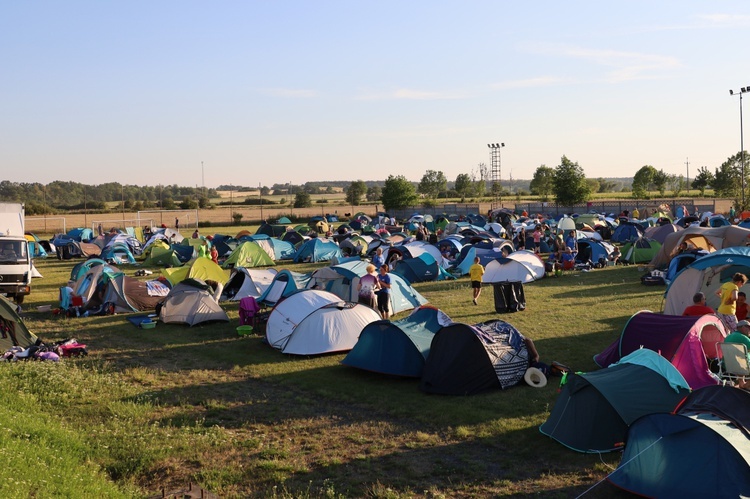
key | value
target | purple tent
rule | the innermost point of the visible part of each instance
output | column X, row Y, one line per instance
column 684, row 341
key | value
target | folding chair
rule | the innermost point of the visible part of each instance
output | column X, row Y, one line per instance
column 735, row 364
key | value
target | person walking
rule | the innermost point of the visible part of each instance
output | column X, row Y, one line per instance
column 728, row 292
column 476, row 271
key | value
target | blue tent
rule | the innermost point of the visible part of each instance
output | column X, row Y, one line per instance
column 421, row 269
column 317, row 250
column 627, row 231
column 592, row 250
column 398, row 348
column 283, row 285
column 702, row 449
column 118, row 253
column 342, row 280
column 681, row 261
column 184, row 252
column 80, row 234
column 81, row 268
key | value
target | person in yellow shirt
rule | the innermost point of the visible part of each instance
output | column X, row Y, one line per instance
column 476, row 272
column 728, row 293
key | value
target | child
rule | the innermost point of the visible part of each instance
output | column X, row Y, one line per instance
column 741, row 311
column 476, row 272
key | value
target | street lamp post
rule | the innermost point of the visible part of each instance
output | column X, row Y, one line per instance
column 496, row 168
column 742, row 142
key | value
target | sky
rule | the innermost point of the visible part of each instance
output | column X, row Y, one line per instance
column 254, row 93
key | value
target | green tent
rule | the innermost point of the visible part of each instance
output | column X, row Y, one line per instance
column 162, row 255
column 248, row 254
column 642, row 250
column 14, row 331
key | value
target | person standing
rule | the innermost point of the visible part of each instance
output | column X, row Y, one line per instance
column 384, row 294
column 378, row 259
column 728, row 292
column 476, row 271
column 368, row 286
column 537, row 236
column 214, row 254
column 177, row 224
column 522, row 239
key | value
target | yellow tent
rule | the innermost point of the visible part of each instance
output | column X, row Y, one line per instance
column 198, row 268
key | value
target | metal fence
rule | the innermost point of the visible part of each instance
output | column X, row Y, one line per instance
column 645, row 207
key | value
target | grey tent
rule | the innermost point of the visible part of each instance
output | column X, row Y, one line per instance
column 191, row 302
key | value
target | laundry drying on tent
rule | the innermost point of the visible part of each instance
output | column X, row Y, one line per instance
column 685, row 341
column 594, row 410
column 312, row 322
column 398, row 348
column 701, row 449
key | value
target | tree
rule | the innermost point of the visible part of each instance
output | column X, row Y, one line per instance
column 373, row 193
column 543, row 182
column 463, row 185
column 660, row 182
column 355, row 192
column 703, row 179
column 570, row 183
column 302, row 199
column 728, row 179
column 642, row 181
column 398, row 193
column 432, row 184
column 188, row 203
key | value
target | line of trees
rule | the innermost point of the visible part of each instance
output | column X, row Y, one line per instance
column 62, row 195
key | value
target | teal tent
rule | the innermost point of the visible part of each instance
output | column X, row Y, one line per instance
column 398, row 348
column 594, row 410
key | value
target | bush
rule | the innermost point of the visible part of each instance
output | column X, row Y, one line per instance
column 237, row 218
column 321, row 201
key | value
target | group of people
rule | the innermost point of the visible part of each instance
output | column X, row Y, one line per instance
column 732, row 310
column 374, row 290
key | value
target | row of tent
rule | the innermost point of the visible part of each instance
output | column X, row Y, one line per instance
column 450, row 358
column 676, row 442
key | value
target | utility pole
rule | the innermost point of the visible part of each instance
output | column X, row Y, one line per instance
column 687, row 175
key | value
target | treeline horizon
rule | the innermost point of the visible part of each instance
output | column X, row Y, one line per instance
column 59, row 195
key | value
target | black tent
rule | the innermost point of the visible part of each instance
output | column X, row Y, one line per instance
column 465, row 359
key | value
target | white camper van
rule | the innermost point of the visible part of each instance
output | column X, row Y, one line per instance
column 15, row 260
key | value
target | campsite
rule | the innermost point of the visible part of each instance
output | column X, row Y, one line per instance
column 151, row 410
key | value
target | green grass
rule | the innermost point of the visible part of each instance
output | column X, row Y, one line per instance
column 153, row 409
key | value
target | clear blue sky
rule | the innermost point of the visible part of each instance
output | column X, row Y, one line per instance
column 263, row 92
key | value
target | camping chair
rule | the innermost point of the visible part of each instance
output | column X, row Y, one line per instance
column 249, row 309
column 735, row 364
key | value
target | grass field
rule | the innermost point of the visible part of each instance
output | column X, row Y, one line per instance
column 154, row 409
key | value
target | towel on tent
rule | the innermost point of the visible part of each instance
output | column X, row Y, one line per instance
column 157, row 288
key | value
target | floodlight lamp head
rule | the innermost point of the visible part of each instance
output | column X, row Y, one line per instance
column 744, row 89
column 489, row 145
column 731, row 92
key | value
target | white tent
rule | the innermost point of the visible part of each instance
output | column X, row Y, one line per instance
column 509, row 270
column 313, row 322
column 530, row 260
column 246, row 282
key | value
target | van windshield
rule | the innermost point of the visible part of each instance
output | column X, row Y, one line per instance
column 12, row 251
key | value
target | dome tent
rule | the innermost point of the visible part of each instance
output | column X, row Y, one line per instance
column 312, row 322
column 191, row 302
column 594, row 410
column 398, row 348
column 465, row 360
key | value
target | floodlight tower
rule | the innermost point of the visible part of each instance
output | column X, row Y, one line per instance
column 742, row 142
column 496, row 166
